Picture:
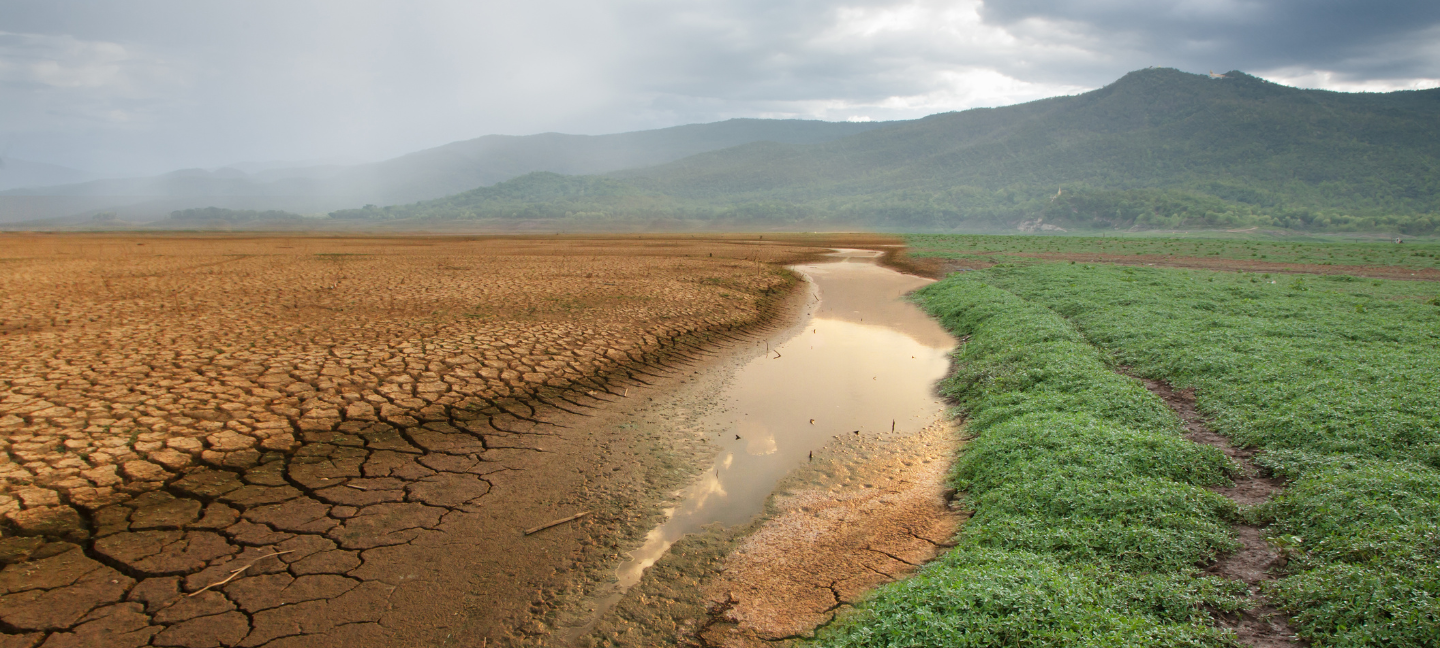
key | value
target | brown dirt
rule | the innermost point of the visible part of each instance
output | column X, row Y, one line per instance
column 356, row 429
column 1261, row 625
column 898, row 258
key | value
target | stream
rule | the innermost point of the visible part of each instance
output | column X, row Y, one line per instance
column 865, row 362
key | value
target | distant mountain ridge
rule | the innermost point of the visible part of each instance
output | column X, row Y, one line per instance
column 1158, row 148
column 417, row 176
column 15, row 173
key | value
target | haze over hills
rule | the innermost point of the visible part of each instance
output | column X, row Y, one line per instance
column 1159, row 148
column 15, row 172
column 422, row 175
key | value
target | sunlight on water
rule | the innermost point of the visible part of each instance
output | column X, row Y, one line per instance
column 866, row 361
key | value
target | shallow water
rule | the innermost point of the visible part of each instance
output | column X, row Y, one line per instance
column 866, row 361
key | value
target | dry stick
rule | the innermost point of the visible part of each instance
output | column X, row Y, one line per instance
column 556, row 522
column 237, row 572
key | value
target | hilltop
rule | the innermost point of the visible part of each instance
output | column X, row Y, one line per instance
column 1158, row 148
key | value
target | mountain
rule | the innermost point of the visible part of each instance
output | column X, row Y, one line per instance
column 24, row 173
column 1159, row 148
column 418, row 176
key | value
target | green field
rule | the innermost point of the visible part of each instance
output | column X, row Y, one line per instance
column 1412, row 254
column 1091, row 523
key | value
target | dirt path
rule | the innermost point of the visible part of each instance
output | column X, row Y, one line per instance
column 1261, row 625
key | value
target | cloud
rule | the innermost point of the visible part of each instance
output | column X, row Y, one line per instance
column 1390, row 39
column 55, row 88
column 826, row 61
column 158, row 84
column 70, row 67
column 1331, row 80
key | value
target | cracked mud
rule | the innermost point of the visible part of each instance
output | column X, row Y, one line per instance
column 252, row 441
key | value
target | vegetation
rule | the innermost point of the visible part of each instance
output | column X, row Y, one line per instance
column 1090, row 508
column 1158, row 149
column 1411, row 254
column 537, row 195
column 223, row 215
column 1333, row 378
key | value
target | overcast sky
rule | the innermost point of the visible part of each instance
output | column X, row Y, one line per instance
column 144, row 86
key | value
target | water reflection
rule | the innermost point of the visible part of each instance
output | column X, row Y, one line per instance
column 865, row 362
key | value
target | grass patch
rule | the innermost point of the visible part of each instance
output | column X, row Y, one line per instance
column 1415, row 254
column 984, row 597
column 1090, row 508
column 1335, row 379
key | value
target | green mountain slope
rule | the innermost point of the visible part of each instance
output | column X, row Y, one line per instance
column 1157, row 148
column 423, row 175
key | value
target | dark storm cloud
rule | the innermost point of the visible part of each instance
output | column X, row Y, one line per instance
column 149, row 85
column 1384, row 39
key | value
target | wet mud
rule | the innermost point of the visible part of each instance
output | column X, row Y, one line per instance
column 828, row 478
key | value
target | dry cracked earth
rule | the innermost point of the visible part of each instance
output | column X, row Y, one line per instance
column 281, row 441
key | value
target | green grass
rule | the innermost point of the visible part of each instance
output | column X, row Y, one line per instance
column 1090, row 516
column 1336, row 380
column 979, row 598
column 1090, row 508
column 1413, row 254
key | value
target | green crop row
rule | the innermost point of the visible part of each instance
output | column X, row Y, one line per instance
column 1090, row 509
column 1336, row 380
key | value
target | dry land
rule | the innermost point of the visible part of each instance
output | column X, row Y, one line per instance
column 299, row 440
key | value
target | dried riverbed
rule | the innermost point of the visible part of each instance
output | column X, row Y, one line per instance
column 828, row 477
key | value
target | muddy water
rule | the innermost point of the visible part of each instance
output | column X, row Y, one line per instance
column 864, row 362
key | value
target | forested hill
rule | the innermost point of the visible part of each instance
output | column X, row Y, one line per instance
column 422, row 175
column 1159, row 148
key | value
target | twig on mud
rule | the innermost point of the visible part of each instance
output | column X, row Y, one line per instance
column 236, row 572
column 556, row 522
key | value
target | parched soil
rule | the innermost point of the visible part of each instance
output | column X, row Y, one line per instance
column 1261, row 625
column 227, row 440
column 939, row 267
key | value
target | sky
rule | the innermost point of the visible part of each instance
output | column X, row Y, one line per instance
column 147, row 86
